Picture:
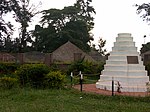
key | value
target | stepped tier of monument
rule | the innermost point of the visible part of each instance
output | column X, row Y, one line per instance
column 125, row 67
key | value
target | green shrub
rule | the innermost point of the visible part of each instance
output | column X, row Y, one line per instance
column 147, row 67
column 55, row 79
column 89, row 68
column 148, row 86
column 54, row 67
column 7, row 82
column 7, row 69
column 76, row 66
column 32, row 74
column 86, row 67
column 100, row 67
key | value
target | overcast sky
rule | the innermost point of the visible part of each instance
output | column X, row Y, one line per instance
column 112, row 17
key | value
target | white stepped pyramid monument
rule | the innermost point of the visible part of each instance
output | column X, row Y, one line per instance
column 125, row 67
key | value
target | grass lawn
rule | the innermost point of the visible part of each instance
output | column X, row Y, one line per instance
column 68, row 100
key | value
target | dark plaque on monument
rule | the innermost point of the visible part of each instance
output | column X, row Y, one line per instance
column 132, row 60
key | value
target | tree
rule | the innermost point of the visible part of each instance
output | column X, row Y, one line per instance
column 101, row 45
column 145, row 47
column 72, row 23
column 8, row 45
column 45, row 40
column 53, row 17
column 144, row 9
column 23, row 14
column 5, row 27
column 85, row 12
column 77, row 33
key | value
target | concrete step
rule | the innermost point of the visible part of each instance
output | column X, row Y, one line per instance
column 124, row 43
column 130, row 80
column 127, row 48
column 120, row 62
column 127, row 88
column 126, row 53
column 124, row 73
column 124, row 67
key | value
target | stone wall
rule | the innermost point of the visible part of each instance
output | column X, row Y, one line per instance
column 6, row 57
column 34, row 57
column 29, row 57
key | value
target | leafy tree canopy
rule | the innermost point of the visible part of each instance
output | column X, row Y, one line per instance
column 72, row 23
column 5, row 27
column 144, row 10
column 100, row 47
column 22, row 13
column 145, row 47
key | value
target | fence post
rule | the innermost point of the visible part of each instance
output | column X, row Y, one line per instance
column 81, row 80
column 71, row 78
column 112, row 86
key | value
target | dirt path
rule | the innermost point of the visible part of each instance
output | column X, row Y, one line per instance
column 92, row 88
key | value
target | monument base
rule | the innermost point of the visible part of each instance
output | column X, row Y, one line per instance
column 125, row 88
